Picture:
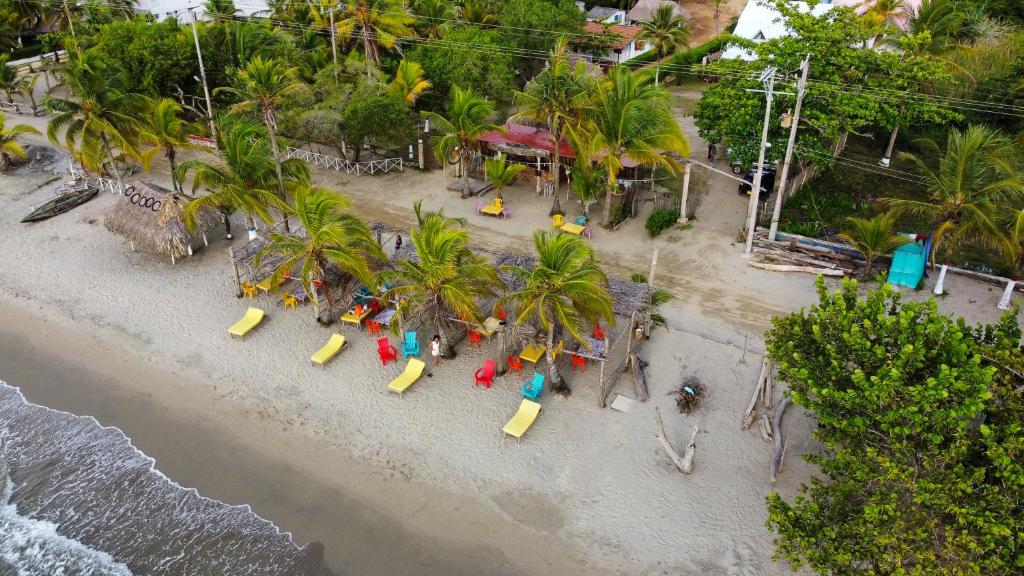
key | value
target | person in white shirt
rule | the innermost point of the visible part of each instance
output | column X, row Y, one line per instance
column 435, row 349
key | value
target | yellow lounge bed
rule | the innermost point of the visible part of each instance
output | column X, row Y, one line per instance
column 413, row 371
column 495, row 208
column 252, row 318
column 523, row 419
column 335, row 344
column 532, row 353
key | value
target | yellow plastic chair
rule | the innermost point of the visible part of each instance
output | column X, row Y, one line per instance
column 248, row 290
column 335, row 344
column 557, row 221
column 289, row 301
column 523, row 419
column 408, row 377
column 252, row 319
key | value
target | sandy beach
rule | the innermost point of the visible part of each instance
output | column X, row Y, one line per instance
column 424, row 484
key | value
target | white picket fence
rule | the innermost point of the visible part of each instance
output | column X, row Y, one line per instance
column 339, row 164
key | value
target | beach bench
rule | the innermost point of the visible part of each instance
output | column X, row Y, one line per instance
column 252, row 318
column 408, row 377
column 336, row 343
column 523, row 419
column 532, row 353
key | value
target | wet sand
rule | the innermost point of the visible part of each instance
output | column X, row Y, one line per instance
column 361, row 515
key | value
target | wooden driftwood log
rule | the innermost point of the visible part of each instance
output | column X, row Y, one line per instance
column 685, row 462
column 766, row 429
column 643, row 393
column 778, row 450
column 790, row 268
column 766, row 389
column 750, row 414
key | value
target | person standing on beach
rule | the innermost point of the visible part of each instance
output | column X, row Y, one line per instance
column 435, row 349
column 398, row 242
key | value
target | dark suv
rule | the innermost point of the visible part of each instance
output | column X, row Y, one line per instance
column 767, row 181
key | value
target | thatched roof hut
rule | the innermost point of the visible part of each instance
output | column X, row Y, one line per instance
column 150, row 216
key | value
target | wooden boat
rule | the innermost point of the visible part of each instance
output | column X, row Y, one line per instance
column 62, row 203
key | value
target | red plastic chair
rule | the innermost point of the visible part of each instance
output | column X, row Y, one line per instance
column 578, row 362
column 598, row 332
column 386, row 351
column 474, row 338
column 373, row 327
column 484, row 375
column 515, row 364
column 375, row 306
column 501, row 314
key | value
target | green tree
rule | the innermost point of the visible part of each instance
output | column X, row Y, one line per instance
column 558, row 97
column 433, row 17
column 940, row 19
column 565, row 288
column 500, row 173
column 666, row 32
column 10, row 82
column 261, row 85
column 467, row 56
column 447, row 280
column 157, row 57
column 975, row 182
column 409, row 82
column 479, row 12
column 632, row 118
column 469, row 118
column 9, row 146
column 534, row 26
column 162, row 126
column 243, row 180
column 379, row 23
column 220, row 8
column 331, row 239
column 875, row 237
column 920, row 424
column 383, row 120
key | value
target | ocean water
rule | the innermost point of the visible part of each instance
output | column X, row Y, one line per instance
column 79, row 500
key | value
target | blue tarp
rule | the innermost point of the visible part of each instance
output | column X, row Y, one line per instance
column 908, row 264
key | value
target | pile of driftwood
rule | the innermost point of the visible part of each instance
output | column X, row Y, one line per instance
column 771, row 428
column 684, row 462
column 688, row 395
column 796, row 257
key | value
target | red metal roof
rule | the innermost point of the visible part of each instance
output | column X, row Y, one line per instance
column 538, row 138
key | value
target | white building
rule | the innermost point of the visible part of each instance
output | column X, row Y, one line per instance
column 624, row 47
column 759, row 22
column 164, row 8
column 605, row 15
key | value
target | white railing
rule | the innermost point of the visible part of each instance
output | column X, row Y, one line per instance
column 339, row 164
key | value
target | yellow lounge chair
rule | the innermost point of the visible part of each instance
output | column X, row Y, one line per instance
column 252, row 318
column 413, row 371
column 335, row 344
column 532, row 352
column 523, row 419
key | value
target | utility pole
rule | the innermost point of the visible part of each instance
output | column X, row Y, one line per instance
column 334, row 47
column 202, row 75
column 71, row 24
column 768, row 77
column 801, row 88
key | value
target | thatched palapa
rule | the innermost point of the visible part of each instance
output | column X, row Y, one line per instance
column 150, row 216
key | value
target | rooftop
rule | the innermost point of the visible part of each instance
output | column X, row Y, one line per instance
column 644, row 10
column 625, row 33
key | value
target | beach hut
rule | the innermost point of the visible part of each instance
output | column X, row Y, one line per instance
column 150, row 216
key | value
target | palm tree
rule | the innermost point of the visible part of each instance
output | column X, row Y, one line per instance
column 163, row 127
column 468, row 119
column 874, row 238
column 433, row 16
column 332, row 239
column 98, row 117
column 565, row 288
column 9, row 147
column 27, row 86
column 479, row 12
column 380, row 23
column 882, row 13
column 940, row 19
column 632, row 118
column 409, row 83
column 264, row 82
column 500, row 173
column 666, row 32
column 975, row 182
column 220, row 8
column 243, row 180
column 558, row 97
column 447, row 279
column 9, row 80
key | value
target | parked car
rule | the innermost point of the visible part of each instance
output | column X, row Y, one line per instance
column 767, row 181
column 737, row 166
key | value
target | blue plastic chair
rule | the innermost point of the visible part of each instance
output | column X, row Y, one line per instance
column 581, row 220
column 532, row 390
column 411, row 346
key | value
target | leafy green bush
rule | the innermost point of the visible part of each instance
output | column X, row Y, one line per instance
column 661, row 220
column 697, row 53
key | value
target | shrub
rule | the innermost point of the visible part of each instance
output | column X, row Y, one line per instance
column 661, row 220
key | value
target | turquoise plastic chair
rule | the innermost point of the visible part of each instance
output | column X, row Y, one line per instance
column 411, row 346
column 532, row 390
column 581, row 220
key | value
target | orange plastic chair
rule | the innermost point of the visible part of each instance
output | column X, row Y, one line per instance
column 578, row 362
column 373, row 327
column 515, row 364
column 474, row 338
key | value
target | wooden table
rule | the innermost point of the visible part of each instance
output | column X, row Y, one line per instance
column 570, row 228
column 352, row 318
column 532, row 353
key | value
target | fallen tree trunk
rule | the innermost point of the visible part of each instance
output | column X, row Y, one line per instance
column 684, row 463
column 643, row 393
column 691, row 450
column 749, row 414
column 766, row 429
column 778, row 450
column 788, row 268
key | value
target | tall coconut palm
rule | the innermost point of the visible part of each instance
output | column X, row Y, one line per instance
column 565, row 288
column 243, row 180
column 9, row 147
column 940, row 19
column 448, row 278
column 9, row 79
column 875, row 237
column 332, row 238
column 164, row 128
column 379, row 23
column 666, row 32
column 557, row 97
column 479, row 12
column 409, row 82
column 99, row 117
column 881, row 13
column 263, row 83
column 500, row 173
column 27, row 86
column 469, row 118
column 976, row 182
column 433, row 17
column 631, row 118
column 220, row 8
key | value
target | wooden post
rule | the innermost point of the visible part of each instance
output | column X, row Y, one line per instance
column 629, row 336
column 683, row 218
column 601, row 397
column 538, row 175
column 419, row 150
column 205, row 241
column 654, row 263
column 238, row 278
